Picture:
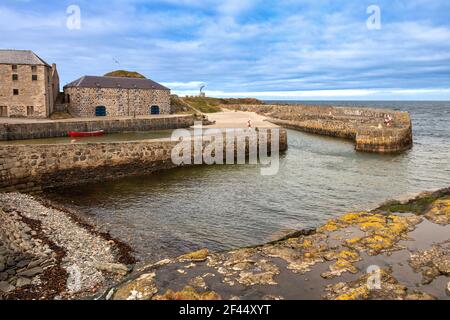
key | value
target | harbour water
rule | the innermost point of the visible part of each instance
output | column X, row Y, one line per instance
column 226, row 206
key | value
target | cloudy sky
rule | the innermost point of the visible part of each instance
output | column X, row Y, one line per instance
column 271, row 49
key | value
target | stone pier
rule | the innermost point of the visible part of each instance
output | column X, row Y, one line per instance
column 19, row 129
column 363, row 125
column 35, row 167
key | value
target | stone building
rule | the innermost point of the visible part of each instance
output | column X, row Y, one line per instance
column 92, row 96
column 29, row 86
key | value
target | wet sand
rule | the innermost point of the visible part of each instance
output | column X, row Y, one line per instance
column 238, row 119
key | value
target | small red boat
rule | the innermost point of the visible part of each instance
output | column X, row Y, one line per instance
column 86, row 134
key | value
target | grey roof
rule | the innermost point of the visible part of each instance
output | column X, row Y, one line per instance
column 115, row 82
column 8, row 56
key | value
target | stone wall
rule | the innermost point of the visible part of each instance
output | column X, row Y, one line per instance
column 363, row 125
column 117, row 101
column 36, row 167
column 49, row 129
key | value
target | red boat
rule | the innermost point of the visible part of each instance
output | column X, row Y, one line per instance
column 86, row 134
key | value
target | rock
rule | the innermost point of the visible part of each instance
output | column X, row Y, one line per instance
column 2, row 267
column 443, row 266
column 35, row 263
column 142, row 288
column 21, row 282
column 10, row 261
column 3, row 276
column 31, row 272
column 448, row 288
column 115, row 268
column 198, row 282
column 417, row 295
column 23, row 263
column 6, row 287
column 439, row 212
column 196, row 256
column 188, row 293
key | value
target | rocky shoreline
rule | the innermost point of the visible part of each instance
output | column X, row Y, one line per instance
column 47, row 253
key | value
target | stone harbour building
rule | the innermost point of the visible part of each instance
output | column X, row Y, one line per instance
column 29, row 86
column 92, row 96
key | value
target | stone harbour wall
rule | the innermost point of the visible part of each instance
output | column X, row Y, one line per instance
column 363, row 125
column 50, row 129
column 36, row 167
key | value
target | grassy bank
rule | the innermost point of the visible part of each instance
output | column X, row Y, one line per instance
column 205, row 104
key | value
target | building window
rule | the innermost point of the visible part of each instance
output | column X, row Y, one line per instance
column 15, row 77
column 34, row 77
column 14, row 67
column 3, row 111
column 100, row 111
column 30, row 111
column 154, row 110
column 16, row 92
column 33, row 69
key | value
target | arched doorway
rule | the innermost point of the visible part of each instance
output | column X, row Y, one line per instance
column 154, row 110
column 100, row 111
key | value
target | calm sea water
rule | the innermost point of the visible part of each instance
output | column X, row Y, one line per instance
column 221, row 207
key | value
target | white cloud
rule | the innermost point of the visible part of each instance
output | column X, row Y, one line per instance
column 357, row 94
column 184, row 86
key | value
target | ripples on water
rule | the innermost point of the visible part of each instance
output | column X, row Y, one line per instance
column 221, row 207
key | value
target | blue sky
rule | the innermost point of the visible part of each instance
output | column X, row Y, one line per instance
column 272, row 49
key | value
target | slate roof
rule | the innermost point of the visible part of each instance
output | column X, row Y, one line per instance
column 28, row 57
column 115, row 82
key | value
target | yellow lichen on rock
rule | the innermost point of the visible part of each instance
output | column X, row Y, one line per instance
column 330, row 226
column 360, row 293
column 196, row 256
column 188, row 293
column 349, row 255
column 344, row 263
column 351, row 217
column 439, row 212
column 142, row 288
column 353, row 241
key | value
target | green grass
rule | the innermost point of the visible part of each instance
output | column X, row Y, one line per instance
column 125, row 74
column 205, row 105
column 417, row 206
column 211, row 105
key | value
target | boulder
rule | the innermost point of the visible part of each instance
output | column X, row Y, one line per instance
column 21, row 282
column 115, row 268
column 5, row 287
column 142, row 288
column 31, row 272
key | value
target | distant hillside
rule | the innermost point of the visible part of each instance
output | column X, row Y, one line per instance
column 125, row 74
column 241, row 101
